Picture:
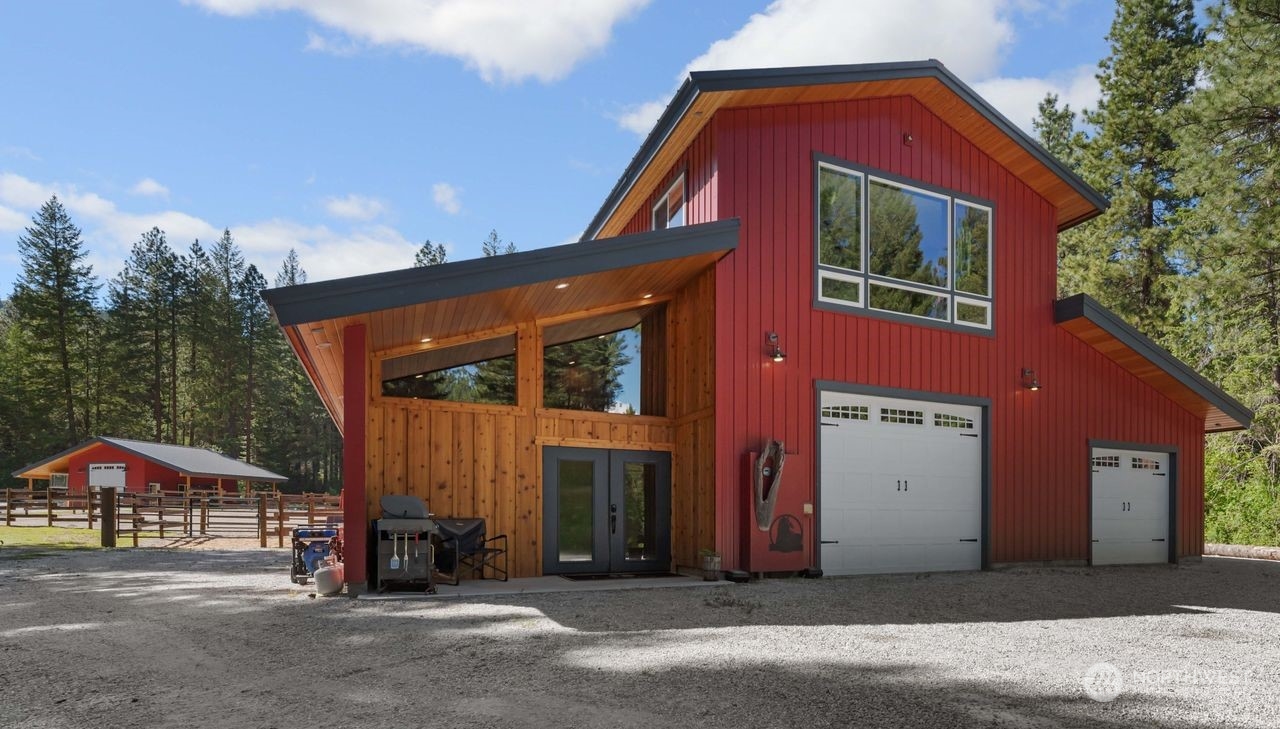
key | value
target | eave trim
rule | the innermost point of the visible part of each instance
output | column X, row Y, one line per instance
column 1084, row 306
column 700, row 82
column 313, row 302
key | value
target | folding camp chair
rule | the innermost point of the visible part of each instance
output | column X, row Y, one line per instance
column 463, row 550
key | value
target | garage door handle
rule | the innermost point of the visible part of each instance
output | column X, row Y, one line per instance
column 969, row 435
column 1159, row 474
column 968, row 540
column 829, row 541
column 1158, row 540
column 831, row 425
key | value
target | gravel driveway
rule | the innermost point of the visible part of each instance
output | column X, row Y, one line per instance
column 223, row 639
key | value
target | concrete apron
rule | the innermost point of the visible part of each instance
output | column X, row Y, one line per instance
column 549, row 583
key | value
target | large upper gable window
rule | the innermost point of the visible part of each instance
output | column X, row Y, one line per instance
column 888, row 246
column 668, row 212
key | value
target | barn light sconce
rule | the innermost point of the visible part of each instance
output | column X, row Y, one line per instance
column 1029, row 379
column 907, row 139
column 775, row 348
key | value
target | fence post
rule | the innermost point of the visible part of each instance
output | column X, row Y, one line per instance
column 108, row 517
column 204, row 515
column 8, row 507
column 279, row 519
column 48, row 502
column 311, row 510
column 88, row 505
column 262, row 520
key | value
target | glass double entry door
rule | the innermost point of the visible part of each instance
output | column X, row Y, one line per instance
column 605, row 511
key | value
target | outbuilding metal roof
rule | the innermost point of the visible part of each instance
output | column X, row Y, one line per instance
column 186, row 460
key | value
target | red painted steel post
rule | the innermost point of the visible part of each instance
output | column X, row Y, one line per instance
column 354, row 406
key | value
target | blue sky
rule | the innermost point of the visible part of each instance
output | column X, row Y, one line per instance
column 352, row 130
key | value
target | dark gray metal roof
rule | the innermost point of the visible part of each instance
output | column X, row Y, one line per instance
column 1085, row 306
column 374, row 292
column 183, row 459
column 761, row 78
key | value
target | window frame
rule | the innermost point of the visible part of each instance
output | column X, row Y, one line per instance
column 665, row 199
column 865, row 278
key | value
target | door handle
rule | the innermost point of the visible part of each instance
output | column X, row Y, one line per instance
column 829, row 541
column 613, row 518
column 968, row 540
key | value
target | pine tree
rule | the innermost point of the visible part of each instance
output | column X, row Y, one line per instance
column 1145, row 81
column 495, row 246
column 431, row 254
column 53, row 311
column 1230, row 164
column 1055, row 127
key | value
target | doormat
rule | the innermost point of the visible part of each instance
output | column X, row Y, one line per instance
column 619, row 576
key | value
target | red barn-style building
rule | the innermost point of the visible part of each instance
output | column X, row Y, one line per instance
column 856, row 261
column 136, row 466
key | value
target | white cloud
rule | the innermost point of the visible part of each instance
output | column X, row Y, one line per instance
column 109, row 232
column 1017, row 98
column 446, row 197
column 501, row 40
column 641, row 117
column 355, row 207
column 970, row 38
column 12, row 220
column 19, row 152
column 967, row 37
column 150, row 188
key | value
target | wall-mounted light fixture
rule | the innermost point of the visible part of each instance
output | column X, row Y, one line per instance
column 774, row 348
column 1029, row 379
column 907, row 139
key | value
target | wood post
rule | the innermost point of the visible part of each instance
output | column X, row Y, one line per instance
column 279, row 519
column 204, row 515
column 48, row 499
column 8, row 507
column 109, row 518
column 262, row 519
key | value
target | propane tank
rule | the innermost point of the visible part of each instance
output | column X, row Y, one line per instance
column 329, row 577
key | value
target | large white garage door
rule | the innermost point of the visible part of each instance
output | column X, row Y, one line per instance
column 901, row 485
column 106, row 475
column 1130, row 506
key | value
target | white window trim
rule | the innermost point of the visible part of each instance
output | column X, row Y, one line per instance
column 961, row 299
column 893, row 284
column 991, row 219
column 948, row 228
column 840, row 275
column 867, row 278
column 678, row 184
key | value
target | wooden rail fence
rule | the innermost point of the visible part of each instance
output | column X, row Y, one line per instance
column 262, row 515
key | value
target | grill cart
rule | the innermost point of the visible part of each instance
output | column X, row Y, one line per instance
column 402, row 545
column 310, row 546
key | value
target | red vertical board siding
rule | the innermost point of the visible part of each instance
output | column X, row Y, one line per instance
column 760, row 162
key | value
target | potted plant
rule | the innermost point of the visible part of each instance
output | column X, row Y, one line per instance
column 710, row 564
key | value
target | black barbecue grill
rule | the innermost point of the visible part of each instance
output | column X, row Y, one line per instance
column 404, row 553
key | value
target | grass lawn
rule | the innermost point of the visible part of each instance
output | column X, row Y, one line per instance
column 34, row 541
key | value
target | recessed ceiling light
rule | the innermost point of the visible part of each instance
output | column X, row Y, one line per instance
column 562, row 286
column 424, row 340
column 419, row 376
column 647, row 296
column 324, row 345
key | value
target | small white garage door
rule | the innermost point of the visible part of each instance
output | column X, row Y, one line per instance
column 901, row 485
column 1130, row 506
column 106, row 475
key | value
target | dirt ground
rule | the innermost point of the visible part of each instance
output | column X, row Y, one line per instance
column 218, row 638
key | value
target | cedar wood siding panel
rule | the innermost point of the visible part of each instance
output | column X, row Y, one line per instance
column 1039, row 440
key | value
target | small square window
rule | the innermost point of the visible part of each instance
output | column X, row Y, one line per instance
column 668, row 212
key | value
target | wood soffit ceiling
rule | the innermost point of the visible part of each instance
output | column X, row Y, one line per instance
column 400, row 331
